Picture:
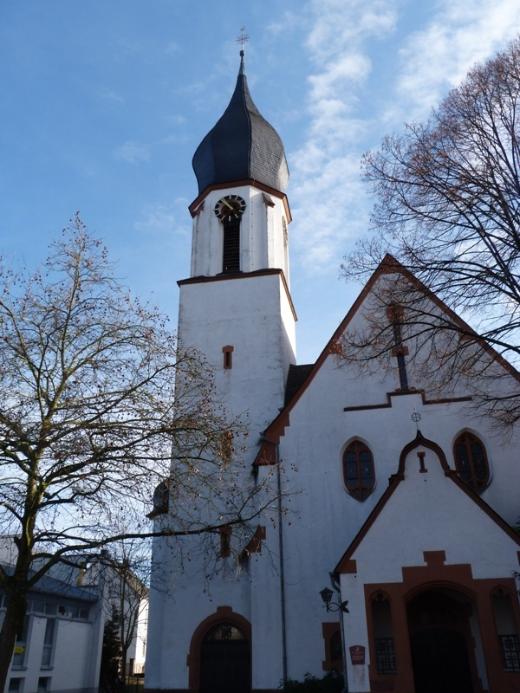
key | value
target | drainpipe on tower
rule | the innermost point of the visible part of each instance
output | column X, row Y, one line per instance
column 282, row 567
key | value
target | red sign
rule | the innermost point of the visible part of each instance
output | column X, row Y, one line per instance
column 357, row 654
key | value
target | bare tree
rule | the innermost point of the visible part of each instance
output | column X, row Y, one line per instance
column 128, row 566
column 448, row 209
column 95, row 394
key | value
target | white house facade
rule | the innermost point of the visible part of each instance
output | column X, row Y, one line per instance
column 399, row 497
column 60, row 647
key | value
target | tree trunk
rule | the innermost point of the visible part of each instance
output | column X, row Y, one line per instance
column 11, row 626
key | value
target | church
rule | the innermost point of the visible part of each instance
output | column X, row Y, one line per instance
column 392, row 557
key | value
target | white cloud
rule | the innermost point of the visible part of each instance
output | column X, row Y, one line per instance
column 108, row 94
column 165, row 218
column 461, row 34
column 289, row 20
column 132, row 152
column 327, row 195
column 172, row 47
column 330, row 202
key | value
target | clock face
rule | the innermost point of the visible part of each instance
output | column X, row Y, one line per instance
column 230, row 207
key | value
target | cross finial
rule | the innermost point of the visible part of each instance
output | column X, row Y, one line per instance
column 242, row 39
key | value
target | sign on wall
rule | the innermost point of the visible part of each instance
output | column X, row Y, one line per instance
column 357, row 654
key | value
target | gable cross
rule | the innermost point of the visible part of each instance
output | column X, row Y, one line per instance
column 242, row 39
column 400, row 350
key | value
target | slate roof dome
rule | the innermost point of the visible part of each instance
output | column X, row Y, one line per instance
column 241, row 145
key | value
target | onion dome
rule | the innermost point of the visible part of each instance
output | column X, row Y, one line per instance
column 242, row 145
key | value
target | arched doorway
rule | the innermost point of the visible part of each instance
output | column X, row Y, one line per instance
column 225, row 660
column 441, row 642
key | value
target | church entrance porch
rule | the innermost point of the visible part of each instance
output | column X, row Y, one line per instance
column 225, row 663
column 219, row 660
column 441, row 642
column 441, row 635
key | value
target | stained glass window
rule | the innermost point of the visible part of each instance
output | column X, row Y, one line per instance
column 471, row 461
column 358, row 470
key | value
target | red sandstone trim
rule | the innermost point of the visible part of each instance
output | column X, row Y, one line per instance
column 399, row 393
column 344, row 564
column 194, row 206
column 223, row 614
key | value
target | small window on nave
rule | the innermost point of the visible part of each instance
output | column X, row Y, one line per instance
column 358, row 470
column 471, row 461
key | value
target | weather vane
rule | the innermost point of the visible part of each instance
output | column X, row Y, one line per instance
column 242, row 39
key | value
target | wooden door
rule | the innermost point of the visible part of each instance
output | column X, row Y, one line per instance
column 225, row 665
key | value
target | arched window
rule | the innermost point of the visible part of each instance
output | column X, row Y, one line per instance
column 471, row 461
column 358, row 470
column 507, row 630
column 384, row 649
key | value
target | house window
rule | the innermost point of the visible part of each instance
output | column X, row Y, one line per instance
column 358, row 470
column 15, row 685
column 471, row 461
column 48, row 642
column 44, row 684
column 20, row 647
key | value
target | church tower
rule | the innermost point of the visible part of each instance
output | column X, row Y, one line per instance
column 236, row 309
column 236, row 306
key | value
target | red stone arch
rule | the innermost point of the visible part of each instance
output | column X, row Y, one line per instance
column 223, row 614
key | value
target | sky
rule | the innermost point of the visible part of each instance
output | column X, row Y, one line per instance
column 104, row 103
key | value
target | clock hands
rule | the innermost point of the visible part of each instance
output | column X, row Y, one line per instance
column 229, row 207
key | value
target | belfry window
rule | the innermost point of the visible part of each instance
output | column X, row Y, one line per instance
column 507, row 630
column 231, row 255
column 471, row 461
column 229, row 210
column 358, row 470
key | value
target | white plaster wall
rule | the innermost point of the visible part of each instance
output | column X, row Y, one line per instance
column 427, row 512
column 188, row 599
column 261, row 233
column 252, row 315
column 320, row 518
column 266, row 601
column 435, row 515
column 323, row 519
column 70, row 658
column 139, row 642
column 72, row 643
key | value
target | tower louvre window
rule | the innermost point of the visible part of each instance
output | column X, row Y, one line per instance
column 231, row 255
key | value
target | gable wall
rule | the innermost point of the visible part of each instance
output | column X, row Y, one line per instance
column 323, row 519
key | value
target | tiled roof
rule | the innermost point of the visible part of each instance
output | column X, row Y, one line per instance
column 242, row 145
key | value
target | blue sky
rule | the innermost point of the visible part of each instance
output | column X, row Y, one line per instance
column 104, row 102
